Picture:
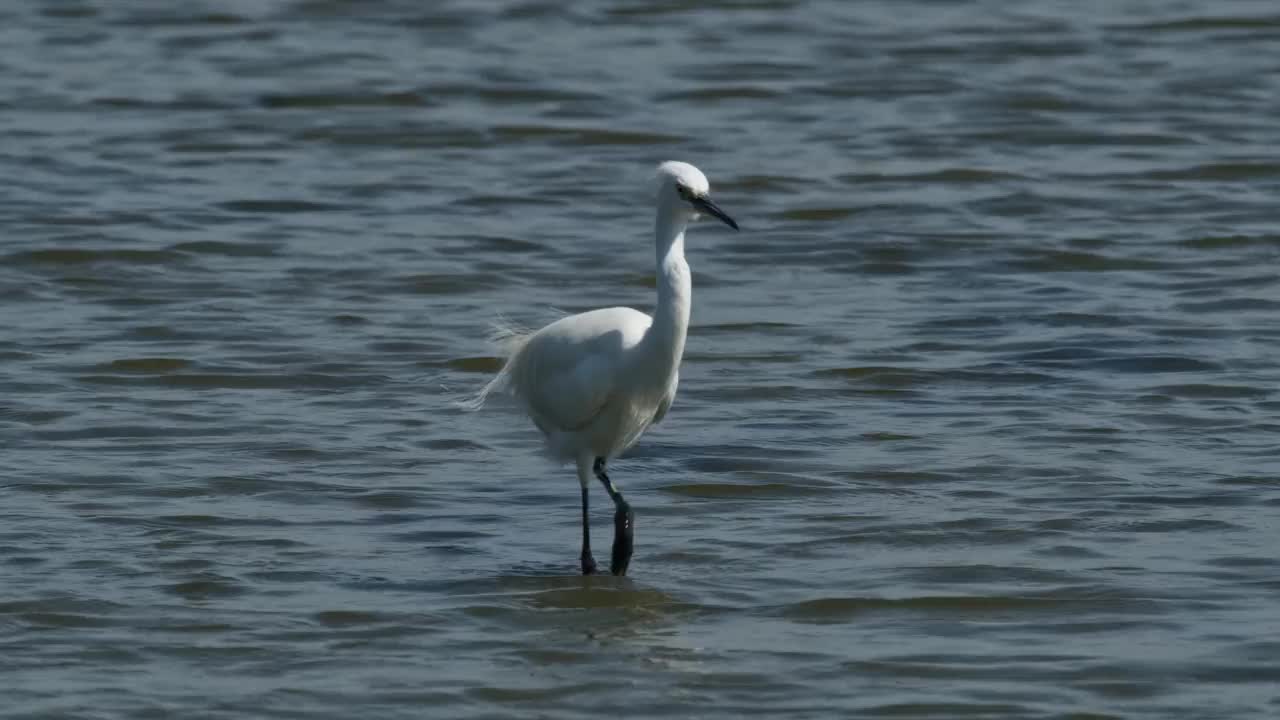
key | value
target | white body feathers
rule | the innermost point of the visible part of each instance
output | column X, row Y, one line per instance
column 594, row 382
column 591, row 383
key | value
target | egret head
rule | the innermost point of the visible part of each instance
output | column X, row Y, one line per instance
column 684, row 189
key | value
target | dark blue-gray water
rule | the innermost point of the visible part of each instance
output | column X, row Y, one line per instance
column 978, row 418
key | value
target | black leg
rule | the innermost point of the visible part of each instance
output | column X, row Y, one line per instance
column 623, row 523
column 588, row 562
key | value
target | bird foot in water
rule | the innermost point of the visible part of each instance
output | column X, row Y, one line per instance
column 588, row 564
column 623, row 526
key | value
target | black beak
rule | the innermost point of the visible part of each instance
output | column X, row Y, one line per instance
column 705, row 205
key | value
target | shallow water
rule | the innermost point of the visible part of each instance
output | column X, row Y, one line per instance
column 978, row 417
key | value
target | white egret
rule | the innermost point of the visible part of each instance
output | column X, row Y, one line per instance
column 594, row 382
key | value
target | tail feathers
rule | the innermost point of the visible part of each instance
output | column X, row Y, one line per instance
column 508, row 338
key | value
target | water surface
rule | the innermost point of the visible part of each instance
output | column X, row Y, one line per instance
column 978, row 417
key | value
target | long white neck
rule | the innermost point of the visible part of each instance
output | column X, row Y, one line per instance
column 665, row 338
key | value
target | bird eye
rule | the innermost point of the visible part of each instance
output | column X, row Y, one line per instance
column 684, row 192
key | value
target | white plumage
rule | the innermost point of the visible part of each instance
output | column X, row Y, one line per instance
column 594, row 382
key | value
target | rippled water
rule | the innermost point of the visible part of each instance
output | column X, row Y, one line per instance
column 978, row 419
